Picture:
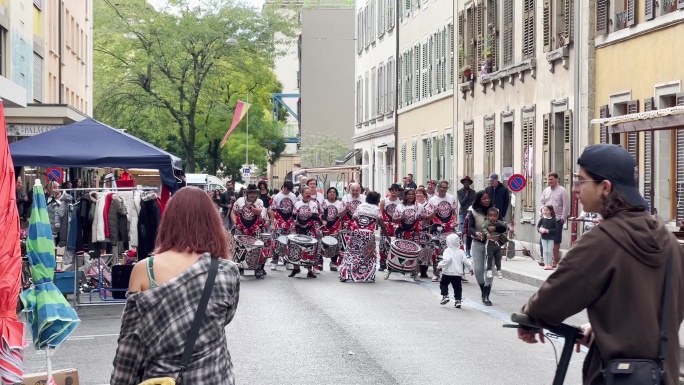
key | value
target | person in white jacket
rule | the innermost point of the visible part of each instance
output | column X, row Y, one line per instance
column 454, row 264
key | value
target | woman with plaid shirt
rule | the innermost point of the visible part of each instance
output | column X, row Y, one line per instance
column 163, row 297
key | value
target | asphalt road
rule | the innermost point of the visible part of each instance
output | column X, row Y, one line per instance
column 320, row 331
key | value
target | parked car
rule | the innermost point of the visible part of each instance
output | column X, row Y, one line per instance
column 208, row 182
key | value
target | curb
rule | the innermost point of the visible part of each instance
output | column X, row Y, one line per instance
column 520, row 277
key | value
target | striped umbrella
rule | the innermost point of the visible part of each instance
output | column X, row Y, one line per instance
column 49, row 314
column 12, row 340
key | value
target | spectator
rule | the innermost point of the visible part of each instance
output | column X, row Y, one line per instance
column 556, row 196
column 21, row 198
column 500, row 195
column 465, row 200
column 410, row 183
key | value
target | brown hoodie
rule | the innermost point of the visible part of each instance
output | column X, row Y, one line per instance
column 617, row 272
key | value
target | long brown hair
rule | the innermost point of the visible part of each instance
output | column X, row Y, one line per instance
column 614, row 202
column 192, row 223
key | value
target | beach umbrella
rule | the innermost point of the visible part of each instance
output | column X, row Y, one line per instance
column 12, row 340
column 48, row 313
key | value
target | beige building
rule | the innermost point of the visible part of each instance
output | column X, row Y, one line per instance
column 426, row 89
column 515, row 96
column 45, row 64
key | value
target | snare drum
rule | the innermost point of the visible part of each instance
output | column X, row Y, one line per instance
column 269, row 244
column 403, row 256
column 329, row 247
column 301, row 250
column 248, row 252
column 281, row 245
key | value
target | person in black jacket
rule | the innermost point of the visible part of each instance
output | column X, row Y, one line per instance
column 499, row 194
column 465, row 200
column 226, row 204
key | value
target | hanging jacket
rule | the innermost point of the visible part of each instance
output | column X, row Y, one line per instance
column 148, row 224
column 100, row 219
column 118, row 223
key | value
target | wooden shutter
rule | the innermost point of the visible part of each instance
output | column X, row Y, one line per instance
column 400, row 63
column 528, row 29
column 546, row 144
column 461, row 40
column 546, row 26
column 468, row 138
column 648, row 157
column 602, row 16
column 508, row 33
column 567, row 148
column 680, row 174
column 436, row 72
column 631, row 12
column 417, row 73
column 480, row 28
column 424, row 73
column 528, row 146
column 633, row 137
column 603, row 113
column 493, row 32
column 427, row 170
column 403, row 159
column 649, row 9
column 489, row 147
column 568, row 19
column 414, row 157
column 450, row 57
column 679, row 99
column 442, row 58
column 409, row 79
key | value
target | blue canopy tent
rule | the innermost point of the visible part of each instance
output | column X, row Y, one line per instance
column 90, row 143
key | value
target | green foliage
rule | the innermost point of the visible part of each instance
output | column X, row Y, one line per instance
column 169, row 77
column 322, row 151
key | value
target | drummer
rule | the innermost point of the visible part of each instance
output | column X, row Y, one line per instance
column 306, row 216
column 333, row 211
column 351, row 201
column 246, row 215
column 280, row 212
column 387, row 207
column 408, row 215
column 444, row 215
column 424, row 236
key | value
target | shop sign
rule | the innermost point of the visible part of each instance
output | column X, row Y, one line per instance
column 28, row 129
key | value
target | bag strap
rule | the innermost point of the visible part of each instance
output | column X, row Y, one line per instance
column 665, row 314
column 197, row 321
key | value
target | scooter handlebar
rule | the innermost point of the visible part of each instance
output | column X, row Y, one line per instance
column 528, row 323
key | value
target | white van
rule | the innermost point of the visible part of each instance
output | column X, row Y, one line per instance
column 208, row 182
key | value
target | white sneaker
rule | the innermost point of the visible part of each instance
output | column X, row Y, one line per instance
column 273, row 266
column 500, row 274
column 435, row 279
column 490, row 274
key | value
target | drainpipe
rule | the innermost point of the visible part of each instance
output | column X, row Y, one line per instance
column 396, row 92
column 60, row 50
column 574, row 206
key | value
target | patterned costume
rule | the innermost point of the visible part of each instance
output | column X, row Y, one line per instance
column 333, row 223
column 351, row 204
column 387, row 216
column 306, row 217
column 248, row 223
column 411, row 217
column 359, row 258
column 444, row 209
column 282, row 205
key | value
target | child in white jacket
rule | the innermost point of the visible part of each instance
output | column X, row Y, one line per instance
column 454, row 264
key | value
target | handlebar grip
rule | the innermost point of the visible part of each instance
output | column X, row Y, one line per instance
column 524, row 319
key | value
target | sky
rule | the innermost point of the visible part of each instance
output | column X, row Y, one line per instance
column 254, row 3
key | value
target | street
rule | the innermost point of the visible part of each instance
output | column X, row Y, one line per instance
column 321, row 331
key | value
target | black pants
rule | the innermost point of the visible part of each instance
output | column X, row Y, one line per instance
column 468, row 244
column 493, row 255
column 455, row 281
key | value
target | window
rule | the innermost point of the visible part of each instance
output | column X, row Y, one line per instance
column 381, row 90
column 491, row 43
column 366, row 98
column 528, row 29
column 372, row 22
column 359, row 31
column 424, row 91
column 479, row 36
column 450, row 82
column 417, row 71
column 403, row 158
column 462, row 59
column 468, row 145
column 381, row 17
column 557, row 146
column 37, row 78
column 389, row 9
column 507, row 57
column 648, row 157
column 3, row 52
column 369, row 24
column 489, row 145
column 359, row 100
column 528, row 162
column 414, row 158
column 557, row 19
column 374, row 94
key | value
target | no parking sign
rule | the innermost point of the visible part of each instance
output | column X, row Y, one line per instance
column 517, row 182
column 55, row 174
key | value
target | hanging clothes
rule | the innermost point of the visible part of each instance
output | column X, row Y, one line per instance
column 84, row 222
column 100, row 220
column 148, row 224
column 132, row 203
column 117, row 220
column 107, row 207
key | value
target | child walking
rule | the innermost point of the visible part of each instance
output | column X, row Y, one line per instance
column 547, row 227
column 496, row 230
column 454, row 264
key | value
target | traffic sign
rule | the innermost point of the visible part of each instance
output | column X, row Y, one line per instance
column 55, row 174
column 517, row 182
column 246, row 171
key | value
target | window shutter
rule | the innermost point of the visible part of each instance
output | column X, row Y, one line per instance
column 568, row 20
column 603, row 113
column 528, row 146
column 546, row 26
column 451, row 56
column 480, row 34
column 424, row 74
column 417, row 74
column 427, row 166
column 493, row 32
column 680, row 173
column 633, row 137
column 489, row 148
column 649, row 9
column 442, row 59
column 407, row 10
column 436, row 72
column 403, row 159
column 400, row 63
column 461, row 39
column 648, row 157
column 631, row 12
column 468, row 136
column 414, row 166
column 528, row 29
column 409, row 80
column 680, row 4
column 546, row 144
column 567, row 147
column 679, row 99
column 602, row 16
column 508, row 33
column 442, row 158
column 37, row 77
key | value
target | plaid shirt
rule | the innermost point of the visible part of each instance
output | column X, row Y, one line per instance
column 155, row 324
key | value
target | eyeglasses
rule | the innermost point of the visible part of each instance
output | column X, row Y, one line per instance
column 579, row 181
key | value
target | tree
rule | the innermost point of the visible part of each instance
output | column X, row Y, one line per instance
column 170, row 77
column 321, row 151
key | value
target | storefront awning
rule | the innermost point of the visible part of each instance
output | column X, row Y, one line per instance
column 345, row 158
column 328, row 170
column 665, row 119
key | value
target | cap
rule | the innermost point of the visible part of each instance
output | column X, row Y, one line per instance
column 466, row 179
column 493, row 177
column 615, row 164
column 395, row 186
column 252, row 188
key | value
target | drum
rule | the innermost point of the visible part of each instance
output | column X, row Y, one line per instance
column 248, row 252
column 403, row 256
column 344, row 239
column 269, row 244
column 301, row 250
column 439, row 241
column 281, row 245
column 329, row 247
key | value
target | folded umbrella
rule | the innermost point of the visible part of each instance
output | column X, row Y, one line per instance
column 12, row 340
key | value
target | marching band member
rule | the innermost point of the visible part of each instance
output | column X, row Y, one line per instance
column 360, row 257
column 333, row 211
column 246, row 216
column 388, row 207
column 306, row 216
column 280, row 212
column 351, row 202
column 315, row 195
column 424, row 236
column 408, row 215
column 431, row 185
column 444, row 215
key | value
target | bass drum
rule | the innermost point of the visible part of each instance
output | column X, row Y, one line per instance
column 404, row 256
column 301, row 250
column 248, row 252
column 329, row 247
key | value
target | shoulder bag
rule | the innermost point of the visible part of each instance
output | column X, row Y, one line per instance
column 194, row 330
column 644, row 371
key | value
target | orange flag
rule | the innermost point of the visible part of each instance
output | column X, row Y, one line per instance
column 241, row 109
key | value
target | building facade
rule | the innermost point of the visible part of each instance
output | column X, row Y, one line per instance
column 46, row 64
column 515, row 97
column 327, row 74
column 639, row 95
column 426, row 138
column 374, row 136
